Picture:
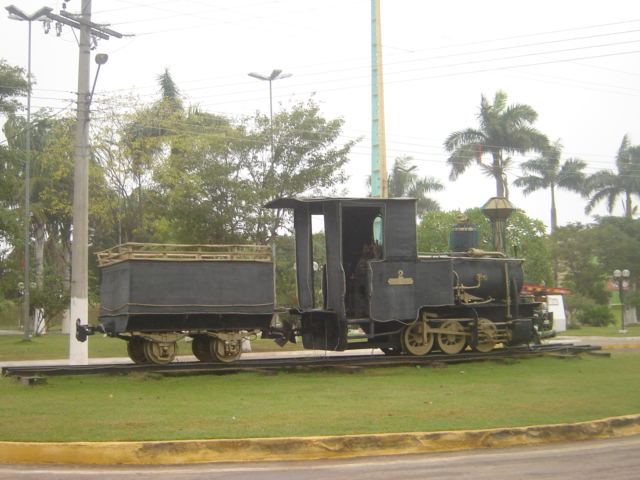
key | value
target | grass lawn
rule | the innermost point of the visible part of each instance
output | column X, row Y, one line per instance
column 608, row 331
column 328, row 402
column 54, row 346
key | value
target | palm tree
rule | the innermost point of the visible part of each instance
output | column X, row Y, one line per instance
column 404, row 182
column 504, row 130
column 546, row 171
column 610, row 185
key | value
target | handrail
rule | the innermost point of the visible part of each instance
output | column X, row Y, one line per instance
column 183, row 252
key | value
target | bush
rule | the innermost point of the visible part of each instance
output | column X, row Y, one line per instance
column 574, row 325
column 594, row 315
column 572, row 304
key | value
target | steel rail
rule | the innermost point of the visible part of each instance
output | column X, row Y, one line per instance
column 271, row 364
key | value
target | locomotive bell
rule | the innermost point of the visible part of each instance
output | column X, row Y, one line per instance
column 498, row 209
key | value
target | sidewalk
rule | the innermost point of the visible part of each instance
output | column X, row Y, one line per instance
column 607, row 343
column 191, row 358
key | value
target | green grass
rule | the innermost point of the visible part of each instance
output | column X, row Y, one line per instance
column 56, row 346
column 466, row 396
column 608, row 331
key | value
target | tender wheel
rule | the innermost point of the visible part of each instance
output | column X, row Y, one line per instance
column 452, row 343
column 415, row 340
column 160, row 353
column 200, row 348
column 225, row 352
column 487, row 333
column 135, row 349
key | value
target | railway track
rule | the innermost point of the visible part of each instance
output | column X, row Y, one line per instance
column 301, row 363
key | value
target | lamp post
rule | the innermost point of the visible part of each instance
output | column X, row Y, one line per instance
column 275, row 75
column 620, row 277
column 16, row 14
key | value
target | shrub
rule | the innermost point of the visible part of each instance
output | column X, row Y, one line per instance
column 594, row 315
column 574, row 325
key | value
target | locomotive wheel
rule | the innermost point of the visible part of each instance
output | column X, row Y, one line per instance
column 413, row 339
column 200, row 348
column 224, row 352
column 452, row 343
column 135, row 349
column 160, row 353
column 487, row 332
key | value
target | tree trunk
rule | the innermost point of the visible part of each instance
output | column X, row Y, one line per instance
column 498, row 174
column 66, row 253
column 554, row 214
column 628, row 210
column 39, row 234
column 499, row 186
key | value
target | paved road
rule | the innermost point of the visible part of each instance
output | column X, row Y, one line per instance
column 602, row 460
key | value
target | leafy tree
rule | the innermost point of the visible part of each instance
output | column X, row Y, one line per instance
column 128, row 147
column 610, row 185
column 617, row 242
column 198, row 189
column 51, row 194
column 525, row 238
column 12, row 84
column 11, row 175
column 577, row 251
column 212, row 183
column 590, row 254
column 546, row 172
column 144, row 141
column 169, row 90
column 503, row 131
column 405, row 182
column 306, row 159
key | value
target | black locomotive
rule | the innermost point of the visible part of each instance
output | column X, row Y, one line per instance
column 376, row 291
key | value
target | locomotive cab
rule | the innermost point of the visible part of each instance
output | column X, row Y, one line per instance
column 372, row 278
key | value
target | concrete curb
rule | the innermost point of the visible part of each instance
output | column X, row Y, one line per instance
column 307, row 448
column 620, row 346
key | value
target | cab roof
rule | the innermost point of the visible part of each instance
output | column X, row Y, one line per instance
column 316, row 203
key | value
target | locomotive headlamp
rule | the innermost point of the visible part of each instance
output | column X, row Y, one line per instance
column 498, row 209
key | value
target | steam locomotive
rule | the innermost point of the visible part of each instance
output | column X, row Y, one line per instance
column 376, row 291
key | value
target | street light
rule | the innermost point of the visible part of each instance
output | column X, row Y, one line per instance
column 620, row 277
column 101, row 59
column 275, row 75
column 16, row 14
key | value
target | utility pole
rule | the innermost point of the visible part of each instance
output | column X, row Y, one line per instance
column 379, row 186
column 79, row 309
column 17, row 14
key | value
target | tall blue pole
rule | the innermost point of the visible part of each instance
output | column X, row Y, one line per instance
column 378, row 144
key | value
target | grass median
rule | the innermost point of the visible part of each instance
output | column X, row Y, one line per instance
column 328, row 402
column 607, row 331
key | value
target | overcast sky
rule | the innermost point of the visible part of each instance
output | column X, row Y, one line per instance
column 577, row 63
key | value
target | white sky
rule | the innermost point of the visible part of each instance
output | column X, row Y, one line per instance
column 577, row 63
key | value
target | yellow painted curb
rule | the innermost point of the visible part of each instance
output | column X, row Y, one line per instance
column 293, row 448
column 620, row 346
